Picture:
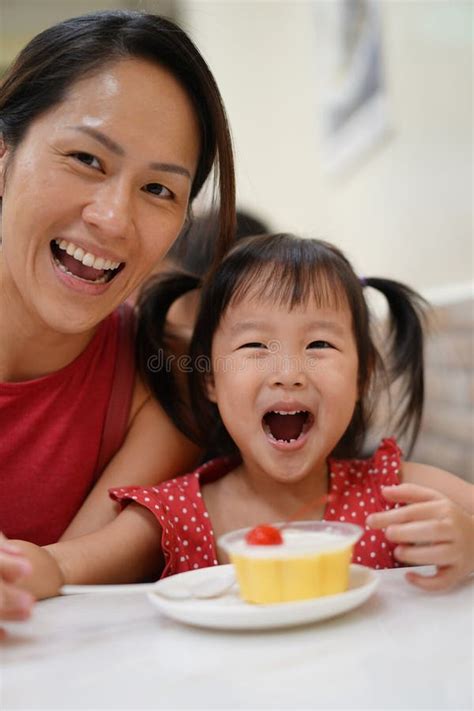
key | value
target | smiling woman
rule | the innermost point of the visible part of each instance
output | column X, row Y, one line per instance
column 110, row 124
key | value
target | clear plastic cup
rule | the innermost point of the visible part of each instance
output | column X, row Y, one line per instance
column 312, row 561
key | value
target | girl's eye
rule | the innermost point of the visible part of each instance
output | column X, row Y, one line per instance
column 88, row 159
column 253, row 344
column 159, row 190
column 320, row 344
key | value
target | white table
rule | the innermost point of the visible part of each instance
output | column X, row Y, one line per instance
column 403, row 649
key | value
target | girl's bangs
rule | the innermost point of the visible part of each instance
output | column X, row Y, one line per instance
column 292, row 284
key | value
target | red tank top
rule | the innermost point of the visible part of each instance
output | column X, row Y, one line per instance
column 50, row 438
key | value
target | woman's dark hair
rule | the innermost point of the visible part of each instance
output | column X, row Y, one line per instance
column 194, row 250
column 293, row 270
column 55, row 59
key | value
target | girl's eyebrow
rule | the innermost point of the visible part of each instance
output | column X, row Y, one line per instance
column 333, row 326
column 114, row 147
column 242, row 326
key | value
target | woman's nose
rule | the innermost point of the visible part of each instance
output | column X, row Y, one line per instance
column 109, row 210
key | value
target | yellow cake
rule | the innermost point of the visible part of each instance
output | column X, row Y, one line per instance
column 313, row 560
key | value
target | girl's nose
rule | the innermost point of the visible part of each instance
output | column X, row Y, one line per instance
column 109, row 211
column 288, row 373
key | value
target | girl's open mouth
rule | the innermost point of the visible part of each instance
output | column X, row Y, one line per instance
column 75, row 262
column 287, row 428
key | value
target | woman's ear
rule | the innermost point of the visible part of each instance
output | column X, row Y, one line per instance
column 210, row 388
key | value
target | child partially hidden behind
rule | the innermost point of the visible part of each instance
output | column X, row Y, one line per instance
column 282, row 385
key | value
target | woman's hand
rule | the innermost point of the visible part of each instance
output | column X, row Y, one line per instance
column 15, row 603
column 430, row 530
column 45, row 577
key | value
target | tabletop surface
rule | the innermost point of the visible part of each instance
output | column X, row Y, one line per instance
column 402, row 649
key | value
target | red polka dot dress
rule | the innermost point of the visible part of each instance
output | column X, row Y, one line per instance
column 355, row 487
column 188, row 539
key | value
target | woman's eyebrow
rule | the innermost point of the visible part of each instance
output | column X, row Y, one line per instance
column 114, row 147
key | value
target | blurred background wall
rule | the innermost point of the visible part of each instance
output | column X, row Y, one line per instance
column 402, row 207
column 405, row 208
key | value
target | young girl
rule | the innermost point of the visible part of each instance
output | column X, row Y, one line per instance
column 283, row 384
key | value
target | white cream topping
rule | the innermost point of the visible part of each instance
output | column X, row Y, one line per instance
column 295, row 544
column 86, row 258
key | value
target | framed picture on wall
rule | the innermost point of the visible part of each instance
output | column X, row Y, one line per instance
column 354, row 107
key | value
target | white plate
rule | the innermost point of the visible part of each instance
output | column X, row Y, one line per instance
column 230, row 612
column 133, row 589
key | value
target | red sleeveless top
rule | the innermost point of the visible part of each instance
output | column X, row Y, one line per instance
column 50, row 438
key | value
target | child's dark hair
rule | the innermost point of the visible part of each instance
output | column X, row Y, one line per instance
column 293, row 270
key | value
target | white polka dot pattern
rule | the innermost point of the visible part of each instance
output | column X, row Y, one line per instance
column 187, row 537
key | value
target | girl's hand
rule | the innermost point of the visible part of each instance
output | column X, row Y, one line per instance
column 430, row 530
column 15, row 604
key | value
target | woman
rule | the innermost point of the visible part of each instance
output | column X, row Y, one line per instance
column 110, row 124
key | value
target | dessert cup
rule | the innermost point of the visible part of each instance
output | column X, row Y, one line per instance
column 312, row 561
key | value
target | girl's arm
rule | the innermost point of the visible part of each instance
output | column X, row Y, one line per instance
column 126, row 550
column 153, row 450
column 435, row 527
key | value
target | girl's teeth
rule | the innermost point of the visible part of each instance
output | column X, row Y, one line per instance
column 281, row 441
column 293, row 412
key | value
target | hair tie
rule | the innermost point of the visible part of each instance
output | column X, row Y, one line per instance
column 362, row 281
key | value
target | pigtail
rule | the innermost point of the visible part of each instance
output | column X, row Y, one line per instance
column 161, row 354
column 405, row 363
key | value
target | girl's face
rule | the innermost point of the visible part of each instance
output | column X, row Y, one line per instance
column 96, row 193
column 285, row 383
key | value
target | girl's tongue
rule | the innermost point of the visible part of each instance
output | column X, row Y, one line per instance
column 285, row 427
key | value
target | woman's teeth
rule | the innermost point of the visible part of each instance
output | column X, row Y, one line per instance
column 83, row 265
column 86, row 258
column 99, row 280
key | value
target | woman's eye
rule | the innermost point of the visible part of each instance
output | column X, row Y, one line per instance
column 87, row 159
column 253, row 344
column 320, row 344
column 159, row 190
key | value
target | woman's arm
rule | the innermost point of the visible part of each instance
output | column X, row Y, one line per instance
column 450, row 485
column 153, row 450
column 435, row 526
column 126, row 550
column 15, row 604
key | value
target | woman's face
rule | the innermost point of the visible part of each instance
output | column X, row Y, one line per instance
column 96, row 193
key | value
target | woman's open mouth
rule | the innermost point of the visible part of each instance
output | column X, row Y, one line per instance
column 287, row 429
column 75, row 262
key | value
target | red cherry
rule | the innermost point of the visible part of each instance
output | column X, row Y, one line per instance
column 264, row 535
